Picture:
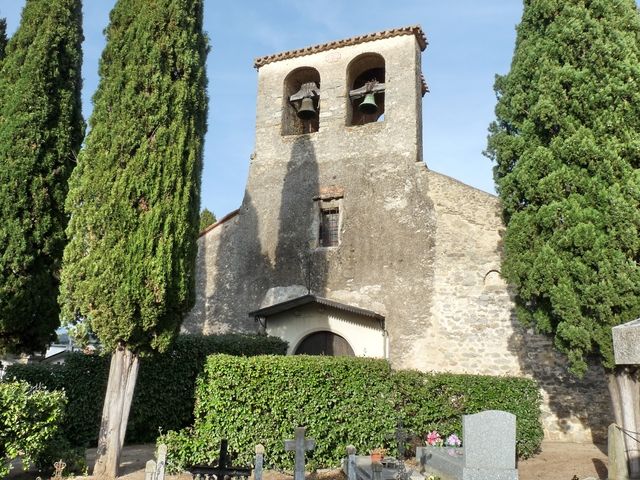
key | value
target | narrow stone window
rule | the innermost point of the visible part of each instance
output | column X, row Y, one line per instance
column 329, row 217
column 366, row 89
column 301, row 109
column 329, row 227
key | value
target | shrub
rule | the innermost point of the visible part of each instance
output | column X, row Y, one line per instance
column 263, row 399
column 164, row 395
column 437, row 401
column 341, row 401
column 29, row 419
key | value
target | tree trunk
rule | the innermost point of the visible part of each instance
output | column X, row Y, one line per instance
column 123, row 373
column 624, row 388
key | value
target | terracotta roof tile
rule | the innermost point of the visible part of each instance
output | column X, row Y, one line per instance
column 370, row 37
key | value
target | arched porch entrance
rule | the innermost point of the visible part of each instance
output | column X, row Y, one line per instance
column 324, row 343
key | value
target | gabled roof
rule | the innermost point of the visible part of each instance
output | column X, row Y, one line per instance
column 370, row 37
column 307, row 299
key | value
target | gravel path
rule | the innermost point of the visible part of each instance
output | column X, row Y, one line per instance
column 557, row 461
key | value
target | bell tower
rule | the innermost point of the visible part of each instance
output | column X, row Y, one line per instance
column 335, row 217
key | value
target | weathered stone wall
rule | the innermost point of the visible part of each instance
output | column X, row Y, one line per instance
column 475, row 329
column 417, row 247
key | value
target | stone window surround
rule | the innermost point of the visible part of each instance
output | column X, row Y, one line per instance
column 328, row 201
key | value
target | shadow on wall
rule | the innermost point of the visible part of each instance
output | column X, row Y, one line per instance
column 573, row 404
column 244, row 273
column 299, row 261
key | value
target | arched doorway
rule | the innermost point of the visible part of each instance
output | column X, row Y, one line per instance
column 324, row 343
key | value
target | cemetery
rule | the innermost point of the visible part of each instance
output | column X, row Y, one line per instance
column 359, row 316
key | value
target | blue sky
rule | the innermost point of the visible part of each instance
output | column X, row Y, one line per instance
column 469, row 42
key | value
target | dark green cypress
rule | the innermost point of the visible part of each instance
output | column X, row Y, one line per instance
column 566, row 144
column 3, row 37
column 41, row 130
column 134, row 196
column 207, row 218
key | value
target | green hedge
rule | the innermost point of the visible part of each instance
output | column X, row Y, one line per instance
column 164, row 395
column 29, row 420
column 341, row 401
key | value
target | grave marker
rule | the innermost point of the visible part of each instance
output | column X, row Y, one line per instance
column 257, row 471
column 351, row 462
column 488, row 453
column 300, row 445
column 223, row 469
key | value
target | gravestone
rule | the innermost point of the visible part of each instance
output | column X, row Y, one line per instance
column 626, row 350
column 223, row 469
column 257, row 470
column 300, row 445
column 617, row 454
column 488, row 452
column 155, row 470
column 490, row 441
column 626, row 343
column 351, row 463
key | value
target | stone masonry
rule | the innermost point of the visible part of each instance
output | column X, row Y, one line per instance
column 417, row 247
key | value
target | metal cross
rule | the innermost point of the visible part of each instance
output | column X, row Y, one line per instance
column 401, row 435
column 224, row 469
column 58, row 468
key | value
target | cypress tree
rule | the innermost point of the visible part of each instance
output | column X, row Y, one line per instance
column 566, row 144
column 3, row 37
column 206, row 218
column 41, row 129
column 134, row 196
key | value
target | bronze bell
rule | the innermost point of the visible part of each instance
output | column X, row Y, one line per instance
column 368, row 105
column 306, row 110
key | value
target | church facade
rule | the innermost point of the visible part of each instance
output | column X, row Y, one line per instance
column 347, row 244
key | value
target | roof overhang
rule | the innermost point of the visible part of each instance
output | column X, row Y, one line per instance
column 274, row 309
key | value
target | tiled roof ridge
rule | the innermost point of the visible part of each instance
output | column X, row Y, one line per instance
column 369, row 37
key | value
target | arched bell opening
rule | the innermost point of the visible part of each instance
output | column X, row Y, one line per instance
column 324, row 343
column 301, row 109
column 366, row 89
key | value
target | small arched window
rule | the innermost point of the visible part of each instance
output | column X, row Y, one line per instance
column 301, row 109
column 366, row 83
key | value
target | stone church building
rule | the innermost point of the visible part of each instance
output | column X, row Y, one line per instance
column 347, row 244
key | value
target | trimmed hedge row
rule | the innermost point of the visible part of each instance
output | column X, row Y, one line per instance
column 341, row 401
column 164, row 395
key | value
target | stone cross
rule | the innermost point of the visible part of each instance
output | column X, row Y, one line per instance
column 351, row 462
column 299, row 444
column 257, row 471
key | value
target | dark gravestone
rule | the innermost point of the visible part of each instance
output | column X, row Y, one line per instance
column 223, row 470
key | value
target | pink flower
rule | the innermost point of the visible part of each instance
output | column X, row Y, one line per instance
column 453, row 440
column 433, row 438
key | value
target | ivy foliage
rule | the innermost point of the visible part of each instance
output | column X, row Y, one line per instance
column 41, row 129
column 164, row 394
column 29, row 420
column 341, row 401
column 134, row 196
column 566, row 143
